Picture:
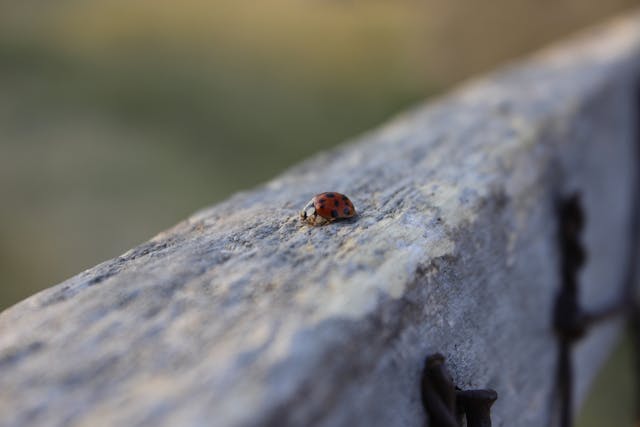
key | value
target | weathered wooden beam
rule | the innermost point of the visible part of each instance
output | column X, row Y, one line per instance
column 241, row 315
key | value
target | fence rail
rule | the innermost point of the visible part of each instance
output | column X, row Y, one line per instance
column 242, row 315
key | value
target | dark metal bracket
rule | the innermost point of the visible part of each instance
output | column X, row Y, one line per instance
column 446, row 405
column 571, row 322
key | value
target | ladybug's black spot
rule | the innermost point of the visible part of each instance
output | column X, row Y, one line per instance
column 322, row 200
column 346, row 211
column 345, row 198
column 336, row 203
column 330, row 195
column 321, row 206
column 334, row 213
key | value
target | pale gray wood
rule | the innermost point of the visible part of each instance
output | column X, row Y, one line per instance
column 241, row 315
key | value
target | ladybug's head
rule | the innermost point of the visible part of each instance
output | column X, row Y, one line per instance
column 308, row 211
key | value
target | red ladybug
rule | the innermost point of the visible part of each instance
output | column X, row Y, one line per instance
column 327, row 207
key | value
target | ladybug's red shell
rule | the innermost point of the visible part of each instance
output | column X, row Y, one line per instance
column 327, row 207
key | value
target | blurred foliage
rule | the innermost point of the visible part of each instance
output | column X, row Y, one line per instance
column 120, row 117
column 611, row 401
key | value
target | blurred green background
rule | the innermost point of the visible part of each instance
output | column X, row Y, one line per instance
column 118, row 118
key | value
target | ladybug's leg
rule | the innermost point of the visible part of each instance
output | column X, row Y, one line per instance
column 318, row 220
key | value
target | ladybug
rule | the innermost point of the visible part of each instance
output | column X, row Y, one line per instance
column 327, row 207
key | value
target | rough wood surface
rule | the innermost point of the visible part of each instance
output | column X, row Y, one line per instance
column 241, row 315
